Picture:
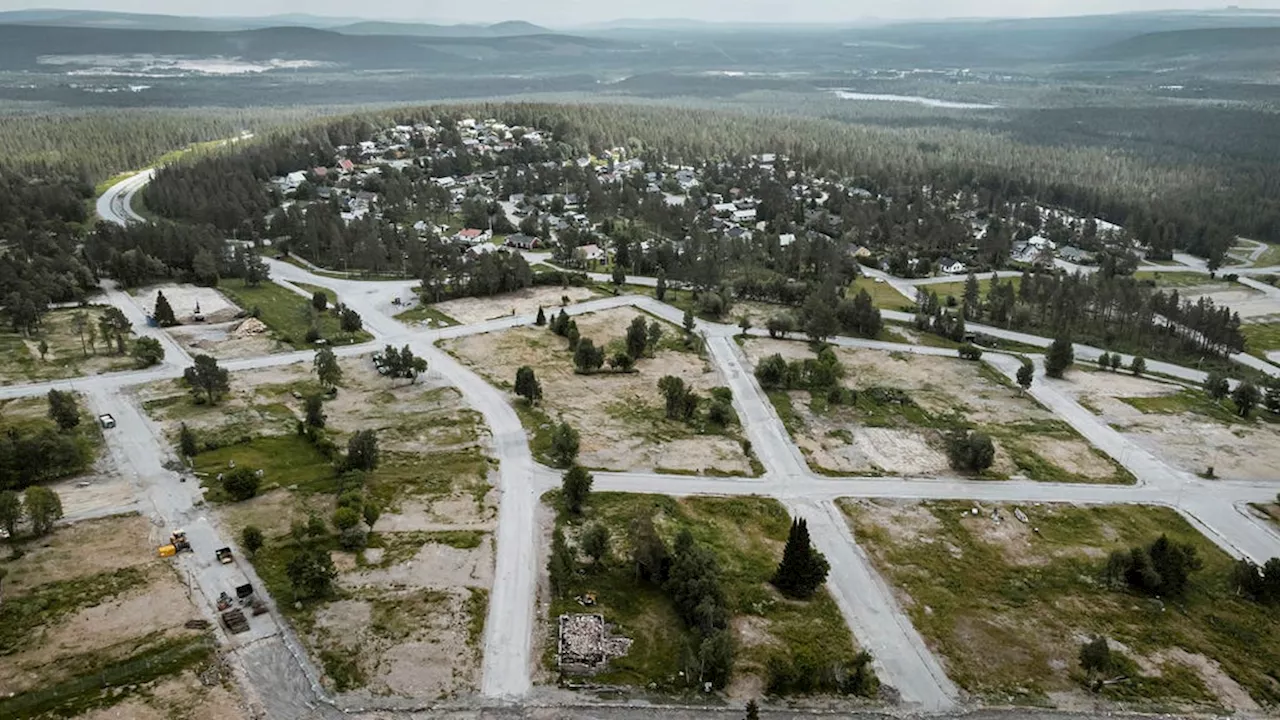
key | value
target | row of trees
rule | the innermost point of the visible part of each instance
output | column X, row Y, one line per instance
column 39, row 507
column 31, row 454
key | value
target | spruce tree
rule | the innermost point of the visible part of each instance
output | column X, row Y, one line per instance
column 803, row 569
column 542, row 317
column 164, row 312
column 1059, row 357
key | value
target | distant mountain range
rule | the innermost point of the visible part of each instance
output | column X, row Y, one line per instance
column 107, row 43
column 346, row 25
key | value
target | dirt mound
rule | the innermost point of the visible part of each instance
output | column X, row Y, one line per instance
column 249, row 328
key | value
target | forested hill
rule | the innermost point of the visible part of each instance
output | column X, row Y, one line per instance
column 1202, row 41
column 21, row 47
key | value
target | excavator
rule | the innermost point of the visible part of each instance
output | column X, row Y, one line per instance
column 177, row 543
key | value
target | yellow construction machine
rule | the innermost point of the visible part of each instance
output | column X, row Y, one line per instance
column 177, row 543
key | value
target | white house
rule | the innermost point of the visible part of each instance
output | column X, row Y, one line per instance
column 951, row 266
column 785, row 240
column 744, row 216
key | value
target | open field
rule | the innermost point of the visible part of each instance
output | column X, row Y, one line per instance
column 746, row 535
column 406, row 614
column 67, row 356
column 522, row 302
column 956, row 289
column 1007, row 605
column 882, row 294
column 620, row 416
column 881, row 434
column 1181, row 425
column 290, row 315
column 91, row 605
column 1261, row 337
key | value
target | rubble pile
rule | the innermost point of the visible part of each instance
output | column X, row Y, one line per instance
column 587, row 643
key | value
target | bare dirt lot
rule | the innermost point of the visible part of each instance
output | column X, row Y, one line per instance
column 1246, row 302
column 1007, row 605
column 185, row 299
column 93, row 595
column 1181, row 425
column 407, row 615
column 620, row 416
column 523, row 302
column 872, row 438
column 228, row 340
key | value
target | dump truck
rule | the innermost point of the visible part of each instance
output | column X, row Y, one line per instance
column 223, row 555
column 177, row 543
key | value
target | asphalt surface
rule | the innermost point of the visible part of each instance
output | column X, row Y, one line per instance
column 279, row 678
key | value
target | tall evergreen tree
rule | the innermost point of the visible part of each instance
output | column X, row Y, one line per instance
column 1059, row 357
column 163, row 312
column 803, row 568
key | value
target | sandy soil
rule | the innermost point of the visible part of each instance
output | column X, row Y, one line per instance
column 215, row 306
column 408, row 624
column 119, row 542
column 436, row 566
column 619, row 415
column 523, row 302
column 1189, row 441
column 1246, row 302
column 154, row 608
column 227, row 340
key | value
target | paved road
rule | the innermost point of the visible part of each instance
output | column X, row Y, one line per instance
column 281, row 678
column 115, row 205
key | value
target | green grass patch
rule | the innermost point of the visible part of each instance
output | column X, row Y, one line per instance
column 1186, row 400
column 289, row 315
column 1261, row 337
column 477, row 605
column 1180, row 279
column 286, row 461
column 1269, row 257
column 110, row 683
column 956, row 289
column 112, row 181
column 882, row 294
column 746, row 534
column 426, row 313
column 68, row 356
column 1006, row 607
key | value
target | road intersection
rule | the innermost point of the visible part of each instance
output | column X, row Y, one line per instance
column 282, row 682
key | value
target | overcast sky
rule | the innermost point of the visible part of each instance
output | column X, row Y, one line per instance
column 576, row 12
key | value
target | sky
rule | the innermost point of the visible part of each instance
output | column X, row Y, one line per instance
column 567, row 13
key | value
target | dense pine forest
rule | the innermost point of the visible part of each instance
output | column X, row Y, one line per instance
column 914, row 195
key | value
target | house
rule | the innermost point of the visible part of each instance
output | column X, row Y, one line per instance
column 738, row 233
column 724, row 209
column 520, row 241
column 951, row 266
column 860, row 251
column 785, row 240
column 743, row 216
column 1073, row 254
column 481, row 249
column 472, row 236
column 445, row 182
column 589, row 253
column 294, row 179
column 320, row 171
